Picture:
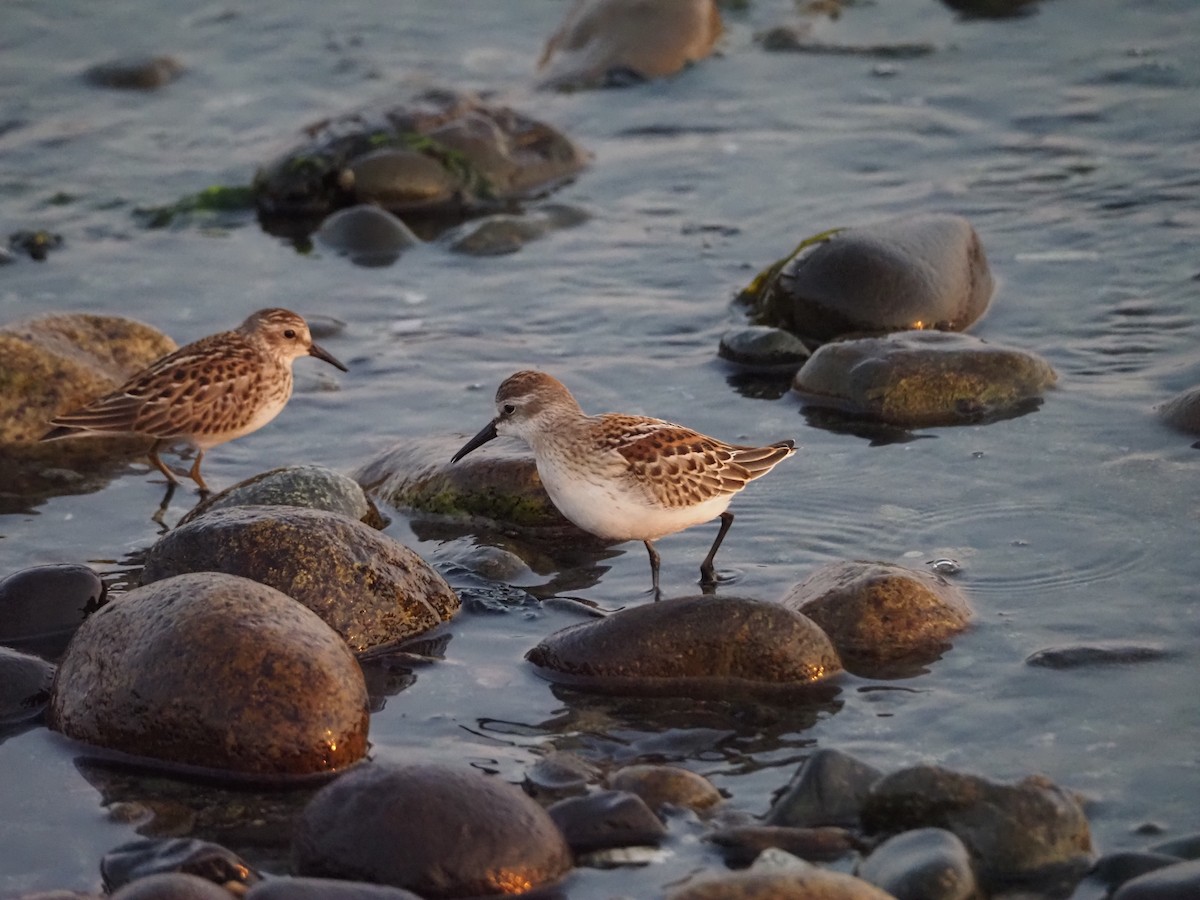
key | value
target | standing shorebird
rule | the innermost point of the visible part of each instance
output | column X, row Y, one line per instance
column 212, row 391
column 625, row 478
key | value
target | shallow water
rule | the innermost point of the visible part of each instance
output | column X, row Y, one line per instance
column 1068, row 138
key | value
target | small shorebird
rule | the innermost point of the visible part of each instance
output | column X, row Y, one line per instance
column 212, row 391
column 625, row 478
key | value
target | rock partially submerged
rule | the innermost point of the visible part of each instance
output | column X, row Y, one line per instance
column 604, row 43
column 213, row 671
column 691, row 646
column 41, row 606
column 439, row 154
column 923, row 379
column 308, row 486
column 923, row 272
column 370, row 588
column 879, row 614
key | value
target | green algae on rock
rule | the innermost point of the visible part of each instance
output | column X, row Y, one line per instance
column 497, row 482
column 213, row 671
column 919, row 379
column 923, row 272
column 475, row 158
column 368, row 587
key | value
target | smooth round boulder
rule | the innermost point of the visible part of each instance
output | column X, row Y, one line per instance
column 172, row 886
column 366, row 235
column 923, row 379
column 309, row 486
column 145, row 73
column 41, row 606
column 922, row 864
column 922, row 272
column 324, row 889
column 828, row 789
column 666, row 786
column 1168, row 883
column 1182, row 412
column 761, row 348
column 52, row 364
column 437, row 830
column 214, row 671
column 1032, row 831
column 616, row 42
column 367, row 586
column 606, row 819
column 879, row 613
column 804, row 882
column 24, row 685
column 691, row 646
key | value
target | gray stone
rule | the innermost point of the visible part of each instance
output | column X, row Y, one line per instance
column 922, row 864
column 827, row 790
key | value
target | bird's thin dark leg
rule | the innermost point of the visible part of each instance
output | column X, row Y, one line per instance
column 160, row 465
column 654, row 561
column 157, row 518
column 194, row 474
column 708, row 574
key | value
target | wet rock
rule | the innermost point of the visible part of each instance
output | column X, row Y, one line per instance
column 922, row 864
column 1032, row 831
column 992, row 9
column 606, row 819
column 1114, row 869
column 616, row 42
column 742, row 844
column 54, row 363
column 877, row 613
column 368, row 587
column 799, row 882
column 1186, row 847
column 215, row 671
column 172, row 886
column 1168, row 883
column 136, row 73
column 488, row 156
column 560, row 774
column 367, row 235
column 829, row 789
column 1087, row 656
column 497, row 482
column 1182, row 412
column 761, row 348
column 923, row 272
column 666, row 786
column 461, row 833
column 144, row 857
column 801, row 39
column 309, row 486
column 36, row 243
column 41, row 606
column 24, row 686
column 922, row 379
column 691, row 646
column 325, row 889
column 500, row 234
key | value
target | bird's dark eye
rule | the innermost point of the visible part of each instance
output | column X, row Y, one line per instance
column 290, row 334
column 508, row 409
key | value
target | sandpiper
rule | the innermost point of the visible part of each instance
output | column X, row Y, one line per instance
column 214, row 390
column 625, row 478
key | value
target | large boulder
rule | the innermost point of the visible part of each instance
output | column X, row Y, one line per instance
column 367, row 586
column 214, row 671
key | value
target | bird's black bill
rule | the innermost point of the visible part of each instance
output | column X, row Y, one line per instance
column 322, row 353
column 488, row 432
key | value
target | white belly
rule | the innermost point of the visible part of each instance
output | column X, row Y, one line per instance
column 612, row 510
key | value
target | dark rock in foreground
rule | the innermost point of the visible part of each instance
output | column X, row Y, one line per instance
column 41, row 606
column 922, row 379
column 439, row 831
column 661, row 785
column 922, row 864
column 804, row 882
column 1182, row 412
column 370, row 588
column 24, row 686
column 214, row 671
column 829, row 789
column 1029, row 832
column 691, row 646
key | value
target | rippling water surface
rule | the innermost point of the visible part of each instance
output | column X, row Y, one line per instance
column 1070, row 140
